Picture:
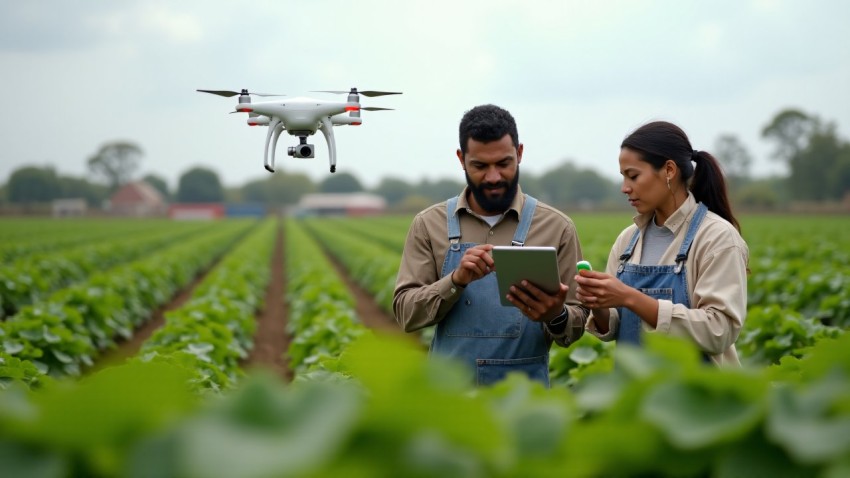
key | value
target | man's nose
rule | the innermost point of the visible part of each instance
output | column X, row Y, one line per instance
column 492, row 175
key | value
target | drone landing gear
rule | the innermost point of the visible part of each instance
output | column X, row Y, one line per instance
column 275, row 127
column 327, row 128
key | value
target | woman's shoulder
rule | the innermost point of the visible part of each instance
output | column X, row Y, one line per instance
column 720, row 233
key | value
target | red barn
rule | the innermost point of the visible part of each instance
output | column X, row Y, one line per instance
column 202, row 211
column 137, row 199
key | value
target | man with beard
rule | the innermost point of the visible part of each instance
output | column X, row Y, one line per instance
column 445, row 274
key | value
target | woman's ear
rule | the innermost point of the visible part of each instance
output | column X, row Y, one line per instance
column 670, row 169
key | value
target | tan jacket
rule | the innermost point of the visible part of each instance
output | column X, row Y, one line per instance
column 423, row 298
column 717, row 283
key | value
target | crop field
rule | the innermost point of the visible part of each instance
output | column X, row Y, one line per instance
column 132, row 348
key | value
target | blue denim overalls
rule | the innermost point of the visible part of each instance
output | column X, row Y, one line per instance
column 668, row 282
column 488, row 337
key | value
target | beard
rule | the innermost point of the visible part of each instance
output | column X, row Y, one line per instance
column 496, row 205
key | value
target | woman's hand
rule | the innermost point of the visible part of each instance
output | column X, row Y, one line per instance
column 598, row 290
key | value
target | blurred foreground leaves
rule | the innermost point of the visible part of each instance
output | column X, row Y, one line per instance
column 389, row 411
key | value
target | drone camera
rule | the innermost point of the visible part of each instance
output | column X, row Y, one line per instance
column 302, row 151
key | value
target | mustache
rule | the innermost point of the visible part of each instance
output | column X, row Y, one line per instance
column 501, row 184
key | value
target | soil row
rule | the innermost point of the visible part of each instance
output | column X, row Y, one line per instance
column 271, row 340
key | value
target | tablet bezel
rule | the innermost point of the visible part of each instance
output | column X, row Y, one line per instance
column 537, row 264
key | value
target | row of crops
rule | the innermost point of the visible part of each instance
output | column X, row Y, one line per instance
column 375, row 406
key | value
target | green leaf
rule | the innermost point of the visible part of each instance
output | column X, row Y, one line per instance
column 805, row 422
column 584, row 355
column 265, row 433
column 756, row 457
column 17, row 460
column 51, row 338
column 62, row 356
column 695, row 415
column 12, row 348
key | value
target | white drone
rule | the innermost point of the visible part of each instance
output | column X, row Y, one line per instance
column 301, row 117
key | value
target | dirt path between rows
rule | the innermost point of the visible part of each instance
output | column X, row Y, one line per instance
column 368, row 311
column 271, row 340
column 130, row 348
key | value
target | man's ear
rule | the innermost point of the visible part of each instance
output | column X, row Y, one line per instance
column 460, row 157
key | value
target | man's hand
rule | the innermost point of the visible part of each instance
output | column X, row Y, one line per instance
column 536, row 304
column 475, row 264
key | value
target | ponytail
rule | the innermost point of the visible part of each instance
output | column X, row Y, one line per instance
column 709, row 186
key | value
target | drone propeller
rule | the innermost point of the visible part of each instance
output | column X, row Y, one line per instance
column 228, row 94
column 373, row 108
column 364, row 93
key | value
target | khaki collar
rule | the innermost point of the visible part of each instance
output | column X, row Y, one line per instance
column 516, row 204
column 676, row 220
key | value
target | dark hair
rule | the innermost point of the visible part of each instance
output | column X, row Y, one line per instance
column 487, row 123
column 659, row 141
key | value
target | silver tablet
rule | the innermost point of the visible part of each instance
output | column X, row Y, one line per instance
column 538, row 265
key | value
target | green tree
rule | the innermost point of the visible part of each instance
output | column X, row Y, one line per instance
column 116, row 162
column 569, row 184
column 841, row 173
column 393, row 190
column 278, row 188
column 199, row 185
column 255, row 191
column 287, row 188
column 818, row 172
column 233, row 195
column 73, row 187
column 815, row 155
column 734, row 157
column 439, row 190
column 790, row 130
column 33, row 184
column 159, row 183
column 759, row 194
column 340, row 183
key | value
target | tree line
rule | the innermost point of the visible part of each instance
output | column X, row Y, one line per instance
column 817, row 160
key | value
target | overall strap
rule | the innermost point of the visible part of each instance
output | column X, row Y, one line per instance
column 524, row 221
column 689, row 237
column 627, row 254
column 452, row 220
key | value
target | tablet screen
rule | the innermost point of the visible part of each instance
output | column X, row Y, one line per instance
column 538, row 265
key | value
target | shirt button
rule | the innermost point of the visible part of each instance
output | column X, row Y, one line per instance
column 491, row 233
column 454, row 290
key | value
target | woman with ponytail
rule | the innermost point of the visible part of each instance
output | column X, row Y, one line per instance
column 681, row 269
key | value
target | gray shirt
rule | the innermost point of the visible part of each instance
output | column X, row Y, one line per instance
column 656, row 240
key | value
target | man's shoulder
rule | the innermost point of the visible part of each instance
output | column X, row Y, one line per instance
column 437, row 209
column 432, row 215
column 551, row 213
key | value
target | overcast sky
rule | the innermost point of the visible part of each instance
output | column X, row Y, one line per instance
column 577, row 75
